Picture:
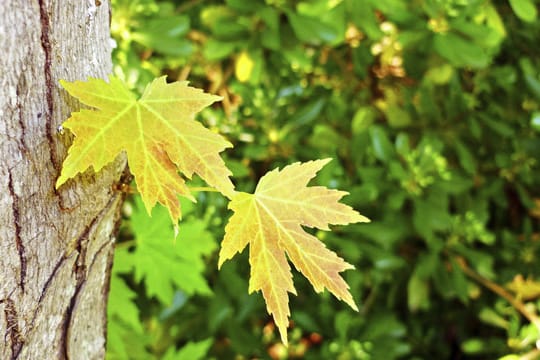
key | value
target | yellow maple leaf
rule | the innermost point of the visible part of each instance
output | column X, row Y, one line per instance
column 271, row 220
column 158, row 132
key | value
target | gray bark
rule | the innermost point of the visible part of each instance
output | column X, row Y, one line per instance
column 55, row 245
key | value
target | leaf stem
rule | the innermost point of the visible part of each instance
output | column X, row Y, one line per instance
column 202, row 188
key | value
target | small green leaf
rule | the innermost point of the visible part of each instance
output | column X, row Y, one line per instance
column 311, row 30
column 382, row 147
column 524, row 9
column 363, row 118
column 535, row 121
column 216, row 50
column 473, row 346
column 165, row 35
column 417, row 293
column 403, row 146
column 466, row 159
column 191, row 351
column 460, row 52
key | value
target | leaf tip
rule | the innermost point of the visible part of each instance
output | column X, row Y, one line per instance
column 60, row 181
column 284, row 339
column 352, row 304
column 220, row 262
column 347, row 298
column 282, row 329
column 325, row 160
column 362, row 218
column 317, row 164
column 216, row 98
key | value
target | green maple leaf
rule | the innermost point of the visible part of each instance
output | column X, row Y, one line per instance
column 165, row 263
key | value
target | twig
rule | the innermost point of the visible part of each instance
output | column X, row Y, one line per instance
column 499, row 290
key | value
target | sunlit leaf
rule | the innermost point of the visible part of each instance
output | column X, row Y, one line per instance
column 157, row 132
column 271, row 220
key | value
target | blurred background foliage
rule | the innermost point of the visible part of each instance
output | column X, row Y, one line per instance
column 431, row 112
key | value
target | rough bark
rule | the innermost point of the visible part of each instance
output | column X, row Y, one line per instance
column 55, row 245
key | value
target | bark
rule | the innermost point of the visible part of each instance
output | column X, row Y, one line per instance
column 55, row 245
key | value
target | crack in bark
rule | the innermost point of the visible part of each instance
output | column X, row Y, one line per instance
column 107, row 286
column 48, row 282
column 47, row 67
column 12, row 328
column 66, row 255
column 50, row 128
column 17, row 223
column 110, row 258
column 98, row 252
column 21, row 88
column 80, row 270
column 45, row 288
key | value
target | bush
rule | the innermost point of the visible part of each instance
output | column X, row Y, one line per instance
column 431, row 112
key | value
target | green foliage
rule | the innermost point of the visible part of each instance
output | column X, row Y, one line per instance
column 155, row 248
column 169, row 269
column 431, row 112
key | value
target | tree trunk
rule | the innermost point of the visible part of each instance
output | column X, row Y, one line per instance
column 55, row 245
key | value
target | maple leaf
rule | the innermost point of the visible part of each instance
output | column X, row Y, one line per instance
column 271, row 220
column 159, row 261
column 158, row 132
